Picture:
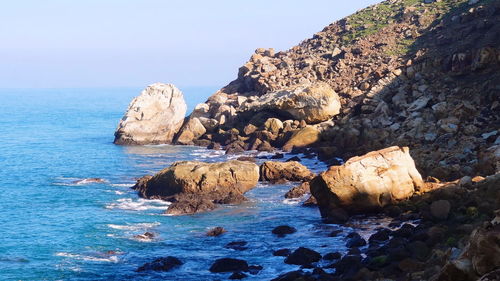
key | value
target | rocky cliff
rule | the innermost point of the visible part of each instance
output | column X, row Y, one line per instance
column 423, row 74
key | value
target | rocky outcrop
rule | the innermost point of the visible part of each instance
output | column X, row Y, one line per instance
column 312, row 103
column 154, row 117
column 197, row 186
column 284, row 171
column 367, row 182
column 406, row 74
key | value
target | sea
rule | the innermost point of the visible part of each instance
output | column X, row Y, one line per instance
column 56, row 225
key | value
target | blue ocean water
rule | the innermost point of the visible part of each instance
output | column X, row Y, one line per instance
column 56, row 229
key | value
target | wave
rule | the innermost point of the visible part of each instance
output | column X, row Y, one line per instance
column 138, row 204
column 135, row 226
column 122, row 184
column 103, row 258
column 70, row 181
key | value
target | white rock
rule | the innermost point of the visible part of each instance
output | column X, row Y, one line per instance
column 153, row 117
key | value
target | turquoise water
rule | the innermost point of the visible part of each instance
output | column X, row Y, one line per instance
column 55, row 229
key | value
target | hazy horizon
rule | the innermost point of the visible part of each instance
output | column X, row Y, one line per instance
column 131, row 44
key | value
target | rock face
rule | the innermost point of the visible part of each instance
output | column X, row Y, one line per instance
column 278, row 171
column 197, row 186
column 154, row 117
column 368, row 182
column 313, row 103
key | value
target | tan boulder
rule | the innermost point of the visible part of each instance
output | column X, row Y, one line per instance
column 284, row 171
column 302, row 138
column 367, row 182
column 153, row 117
column 273, row 125
column 192, row 130
column 313, row 103
column 200, row 178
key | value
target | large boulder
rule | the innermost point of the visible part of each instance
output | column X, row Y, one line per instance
column 313, row 103
column 153, row 117
column 367, row 182
column 195, row 187
column 200, row 178
column 284, row 171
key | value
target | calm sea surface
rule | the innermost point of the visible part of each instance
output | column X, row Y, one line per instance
column 55, row 229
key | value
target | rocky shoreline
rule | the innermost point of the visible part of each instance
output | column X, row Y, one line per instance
column 406, row 91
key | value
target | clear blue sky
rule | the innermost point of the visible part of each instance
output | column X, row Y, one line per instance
column 110, row 43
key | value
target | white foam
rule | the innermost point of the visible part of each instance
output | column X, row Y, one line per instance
column 138, row 204
column 292, row 201
column 135, row 226
column 113, row 259
column 122, row 184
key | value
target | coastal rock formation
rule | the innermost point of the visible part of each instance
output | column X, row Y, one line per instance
column 406, row 73
column 154, row 117
column 367, row 182
column 195, row 186
column 284, row 171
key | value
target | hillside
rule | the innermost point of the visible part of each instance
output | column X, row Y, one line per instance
column 406, row 72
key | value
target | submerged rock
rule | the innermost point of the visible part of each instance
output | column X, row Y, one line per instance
column 154, row 117
column 161, row 264
column 216, row 231
column 303, row 256
column 368, row 182
column 229, row 265
column 283, row 230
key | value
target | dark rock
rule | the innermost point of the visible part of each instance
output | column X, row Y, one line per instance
column 354, row 251
column 355, row 240
column 298, row 191
column 310, row 202
column 282, row 252
column 393, row 211
column 303, row 256
column 335, row 233
column 419, row 250
column 380, row 236
column 255, row 269
column 290, row 276
column 190, row 204
column 238, row 276
column 237, row 245
column 404, row 231
column 216, row 231
column 332, row 256
column 337, row 216
column 230, row 198
column 145, row 236
column 348, row 265
column 278, row 156
column 161, row 264
column 283, row 230
column 229, row 265
column 294, row 158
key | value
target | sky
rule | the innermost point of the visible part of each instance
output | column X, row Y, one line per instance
column 133, row 43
